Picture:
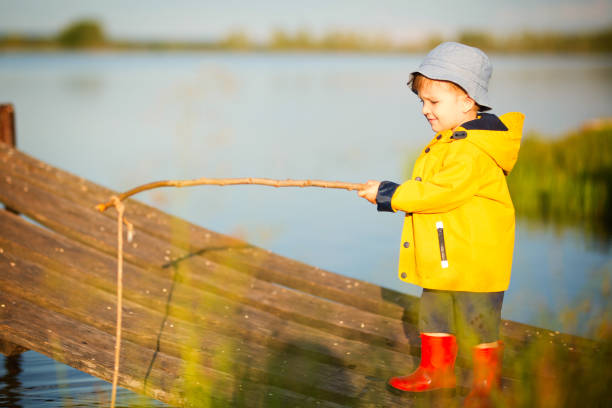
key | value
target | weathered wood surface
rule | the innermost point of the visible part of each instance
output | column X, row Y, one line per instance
column 206, row 316
column 10, row 349
column 7, row 125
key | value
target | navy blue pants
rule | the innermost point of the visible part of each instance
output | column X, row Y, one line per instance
column 472, row 316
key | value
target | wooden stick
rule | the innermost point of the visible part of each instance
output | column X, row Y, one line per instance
column 232, row 181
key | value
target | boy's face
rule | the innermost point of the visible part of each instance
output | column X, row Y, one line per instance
column 445, row 106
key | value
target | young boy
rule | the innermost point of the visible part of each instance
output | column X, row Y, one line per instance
column 458, row 233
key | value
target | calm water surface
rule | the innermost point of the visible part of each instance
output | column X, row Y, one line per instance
column 127, row 119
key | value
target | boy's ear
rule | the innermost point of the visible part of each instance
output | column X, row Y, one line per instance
column 468, row 104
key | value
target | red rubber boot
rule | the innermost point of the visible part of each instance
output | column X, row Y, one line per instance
column 486, row 385
column 437, row 368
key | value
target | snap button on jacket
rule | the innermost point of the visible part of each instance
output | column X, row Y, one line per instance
column 460, row 217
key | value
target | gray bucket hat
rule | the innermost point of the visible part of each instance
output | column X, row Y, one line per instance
column 466, row 66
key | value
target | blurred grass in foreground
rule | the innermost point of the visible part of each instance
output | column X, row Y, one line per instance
column 567, row 181
column 556, row 370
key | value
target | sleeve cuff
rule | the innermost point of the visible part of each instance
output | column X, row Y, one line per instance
column 384, row 195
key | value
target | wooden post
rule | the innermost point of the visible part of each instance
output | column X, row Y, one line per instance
column 7, row 125
column 7, row 130
column 10, row 349
column 7, row 135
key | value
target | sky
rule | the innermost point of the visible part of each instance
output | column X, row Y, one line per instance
column 400, row 20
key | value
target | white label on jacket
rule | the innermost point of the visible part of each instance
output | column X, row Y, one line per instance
column 440, row 228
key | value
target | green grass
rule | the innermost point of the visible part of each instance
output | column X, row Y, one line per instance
column 567, row 181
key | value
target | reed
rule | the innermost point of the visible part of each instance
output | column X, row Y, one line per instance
column 567, row 181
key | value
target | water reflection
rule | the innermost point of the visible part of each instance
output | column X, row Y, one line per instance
column 31, row 379
column 10, row 392
column 86, row 86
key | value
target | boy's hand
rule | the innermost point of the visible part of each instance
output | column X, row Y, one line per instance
column 369, row 191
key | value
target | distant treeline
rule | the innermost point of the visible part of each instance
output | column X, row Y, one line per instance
column 567, row 181
column 89, row 34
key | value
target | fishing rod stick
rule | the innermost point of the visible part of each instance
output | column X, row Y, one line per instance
column 230, row 182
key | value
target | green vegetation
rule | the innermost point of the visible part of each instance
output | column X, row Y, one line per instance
column 582, row 375
column 237, row 40
column 89, row 34
column 596, row 41
column 331, row 41
column 82, row 34
column 567, row 181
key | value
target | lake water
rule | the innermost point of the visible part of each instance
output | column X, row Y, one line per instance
column 126, row 119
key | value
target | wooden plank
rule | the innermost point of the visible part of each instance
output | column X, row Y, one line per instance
column 179, row 338
column 168, row 379
column 22, row 241
column 303, row 277
column 151, row 253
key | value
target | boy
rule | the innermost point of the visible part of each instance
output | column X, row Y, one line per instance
column 458, row 233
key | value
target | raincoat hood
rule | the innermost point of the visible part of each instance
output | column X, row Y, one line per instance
column 498, row 137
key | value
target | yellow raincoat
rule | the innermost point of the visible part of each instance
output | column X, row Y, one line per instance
column 458, row 232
